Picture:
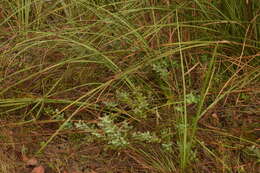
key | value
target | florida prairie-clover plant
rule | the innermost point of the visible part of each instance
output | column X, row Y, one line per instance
column 121, row 136
column 136, row 101
column 56, row 115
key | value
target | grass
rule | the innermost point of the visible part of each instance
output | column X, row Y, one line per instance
column 165, row 86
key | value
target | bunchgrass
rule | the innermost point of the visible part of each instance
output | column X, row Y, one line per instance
column 163, row 75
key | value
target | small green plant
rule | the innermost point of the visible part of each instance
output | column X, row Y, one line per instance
column 120, row 137
column 56, row 115
column 106, row 130
column 190, row 99
column 136, row 101
column 146, row 137
column 161, row 68
column 114, row 135
column 166, row 136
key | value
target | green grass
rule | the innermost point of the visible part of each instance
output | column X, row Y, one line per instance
column 167, row 86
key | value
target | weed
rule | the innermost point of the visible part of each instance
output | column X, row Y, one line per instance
column 136, row 101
